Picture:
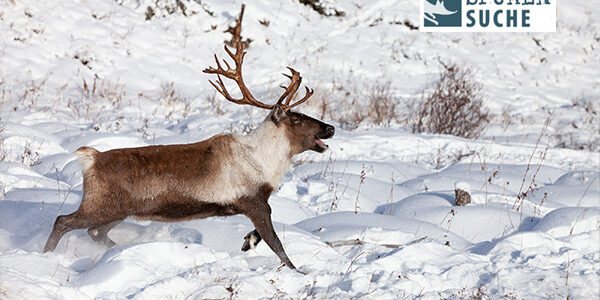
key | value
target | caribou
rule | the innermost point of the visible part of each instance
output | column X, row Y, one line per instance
column 224, row 175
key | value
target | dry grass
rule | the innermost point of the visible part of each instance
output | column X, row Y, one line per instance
column 164, row 8
column 382, row 103
column 215, row 103
column 29, row 157
column 340, row 102
column 104, row 90
column 582, row 133
column 375, row 102
column 521, row 195
column 177, row 106
column 33, row 92
column 3, row 151
column 95, row 98
column 362, row 181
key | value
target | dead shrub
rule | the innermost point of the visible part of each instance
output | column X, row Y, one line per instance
column 164, row 8
column 319, row 102
column 453, row 106
column 352, row 114
column 342, row 102
column 581, row 133
column 374, row 102
column 324, row 8
column 382, row 103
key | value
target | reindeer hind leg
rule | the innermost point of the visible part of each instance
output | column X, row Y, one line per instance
column 100, row 233
column 64, row 224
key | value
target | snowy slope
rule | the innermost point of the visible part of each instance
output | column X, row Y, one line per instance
column 97, row 73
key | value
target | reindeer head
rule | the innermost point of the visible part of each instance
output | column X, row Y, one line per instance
column 303, row 132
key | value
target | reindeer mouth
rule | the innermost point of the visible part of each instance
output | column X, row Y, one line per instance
column 320, row 146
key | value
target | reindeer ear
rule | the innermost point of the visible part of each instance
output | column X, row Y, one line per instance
column 278, row 114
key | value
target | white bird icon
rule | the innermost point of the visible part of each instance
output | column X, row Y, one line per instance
column 437, row 9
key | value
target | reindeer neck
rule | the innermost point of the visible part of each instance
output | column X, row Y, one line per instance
column 270, row 150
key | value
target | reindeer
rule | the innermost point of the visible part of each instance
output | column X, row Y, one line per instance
column 221, row 176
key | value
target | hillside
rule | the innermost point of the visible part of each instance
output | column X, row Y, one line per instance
column 113, row 74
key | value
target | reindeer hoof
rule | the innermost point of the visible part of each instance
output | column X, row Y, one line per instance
column 251, row 240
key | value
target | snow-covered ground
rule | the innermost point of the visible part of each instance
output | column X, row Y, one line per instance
column 96, row 73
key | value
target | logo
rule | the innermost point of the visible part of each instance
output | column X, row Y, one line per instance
column 438, row 13
column 488, row 15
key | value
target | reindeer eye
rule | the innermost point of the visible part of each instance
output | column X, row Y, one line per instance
column 296, row 121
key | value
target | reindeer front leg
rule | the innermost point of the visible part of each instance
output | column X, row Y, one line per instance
column 258, row 210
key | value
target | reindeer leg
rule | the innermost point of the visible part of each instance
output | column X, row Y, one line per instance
column 258, row 210
column 66, row 223
column 99, row 233
column 264, row 226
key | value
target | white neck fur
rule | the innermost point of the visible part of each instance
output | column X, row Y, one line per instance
column 270, row 151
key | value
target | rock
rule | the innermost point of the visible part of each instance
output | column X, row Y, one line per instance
column 462, row 197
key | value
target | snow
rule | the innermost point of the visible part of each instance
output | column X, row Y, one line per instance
column 96, row 73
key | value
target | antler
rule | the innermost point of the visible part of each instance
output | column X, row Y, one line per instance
column 236, row 75
column 290, row 91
